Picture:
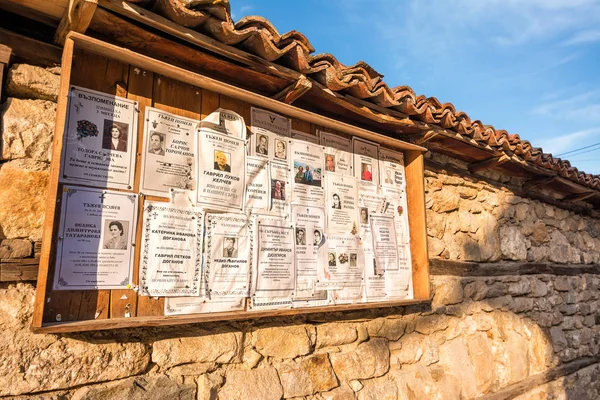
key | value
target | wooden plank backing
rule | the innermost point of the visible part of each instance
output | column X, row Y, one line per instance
column 109, row 76
column 124, row 302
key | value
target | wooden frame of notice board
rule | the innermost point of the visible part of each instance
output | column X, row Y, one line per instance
column 99, row 66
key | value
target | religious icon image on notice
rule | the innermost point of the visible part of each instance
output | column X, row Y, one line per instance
column 99, row 140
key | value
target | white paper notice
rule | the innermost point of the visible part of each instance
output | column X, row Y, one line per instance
column 366, row 164
column 95, row 239
column 229, row 244
column 307, row 167
column 311, row 251
column 275, row 266
column 370, row 201
column 280, row 190
column 342, row 268
column 385, row 247
column 197, row 305
column 168, row 153
column 270, row 133
column 171, row 259
column 258, row 186
column 225, row 122
column 338, row 153
column 99, row 140
column 221, row 171
column 391, row 165
column 342, row 208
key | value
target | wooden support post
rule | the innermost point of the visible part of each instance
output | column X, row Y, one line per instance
column 489, row 163
column 294, row 91
column 580, row 196
column 5, row 53
column 77, row 17
column 427, row 137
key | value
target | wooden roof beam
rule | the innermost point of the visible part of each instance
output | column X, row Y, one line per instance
column 536, row 183
column 77, row 17
column 31, row 51
column 579, row 196
column 489, row 163
column 427, row 137
column 294, row 91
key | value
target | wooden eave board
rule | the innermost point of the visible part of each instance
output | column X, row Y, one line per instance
column 461, row 150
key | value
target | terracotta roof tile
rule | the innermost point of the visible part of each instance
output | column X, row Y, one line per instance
column 258, row 36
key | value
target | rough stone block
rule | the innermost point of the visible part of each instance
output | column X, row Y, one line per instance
column 15, row 248
column 254, row 384
column 204, row 347
column 513, row 244
column 32, row 82
column 36, row 363
column 379, row 389
column 27, row 129
column 432, row 323
column 208, row 386
column 138, row 388
column 445, row 200
column 538, row 288
column 447, row 291
column 370, row 360
column 284, row 342
column 309, row 376
column 389, row 328
column 23, row 186
column 342, row 392
column 333, row 334
column 519, row 288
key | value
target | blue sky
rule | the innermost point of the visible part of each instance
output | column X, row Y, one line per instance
column 530, row 67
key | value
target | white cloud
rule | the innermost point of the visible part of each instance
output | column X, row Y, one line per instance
column 579, row 107
column 566, row 142
column 583, row 37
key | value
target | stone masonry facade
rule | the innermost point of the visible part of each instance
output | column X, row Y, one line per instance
column 480, row 336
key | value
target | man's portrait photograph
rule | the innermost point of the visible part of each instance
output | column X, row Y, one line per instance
column 156, row 144
column 222, row 161
column 230, row 247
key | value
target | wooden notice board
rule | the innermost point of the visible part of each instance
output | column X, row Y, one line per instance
column 113, row 70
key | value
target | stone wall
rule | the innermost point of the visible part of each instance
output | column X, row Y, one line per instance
column 535, row 336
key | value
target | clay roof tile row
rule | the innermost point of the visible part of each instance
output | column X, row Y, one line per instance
column 258, row 36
